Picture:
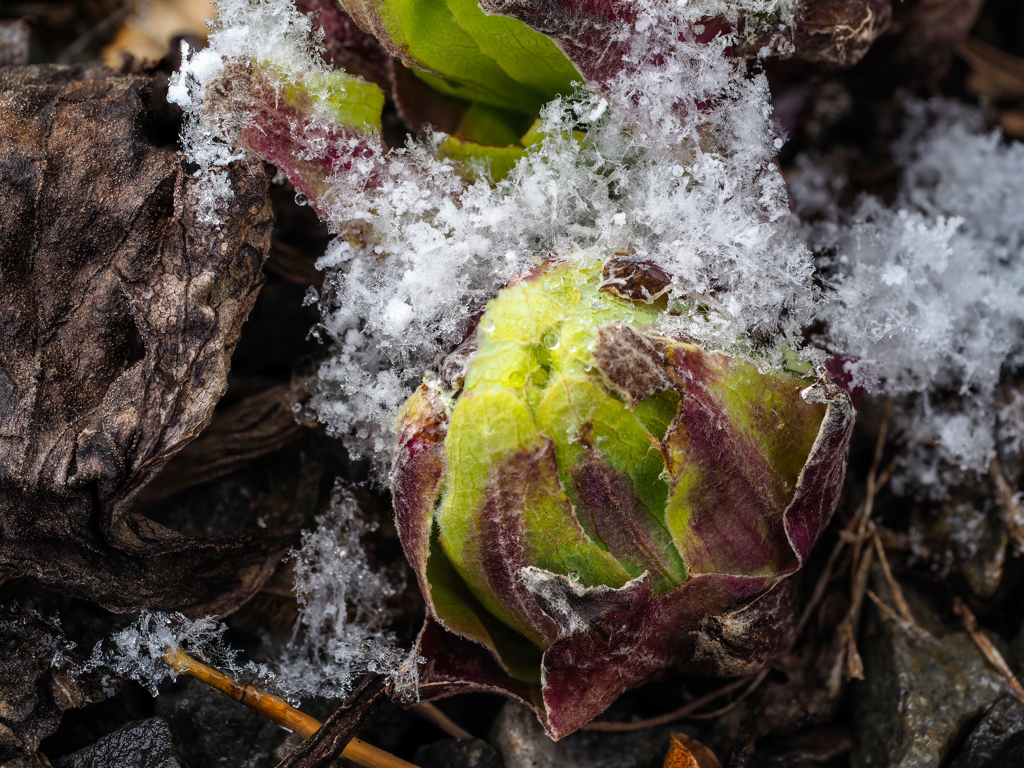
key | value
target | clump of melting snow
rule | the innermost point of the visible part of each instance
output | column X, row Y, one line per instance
column 340, row 635
column 678, row 166
column 928, row 292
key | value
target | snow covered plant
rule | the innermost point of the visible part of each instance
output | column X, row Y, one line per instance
column 620, row 500
column 607, row 469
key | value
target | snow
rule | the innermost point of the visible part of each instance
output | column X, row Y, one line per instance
column 678, row 166
column 928, row 292
column 339, row 636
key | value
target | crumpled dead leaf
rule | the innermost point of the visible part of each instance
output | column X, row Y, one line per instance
column 837, row 32
column 119, row 309
column 258, row 425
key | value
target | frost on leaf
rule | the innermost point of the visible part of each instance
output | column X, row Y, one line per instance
column 121, row 304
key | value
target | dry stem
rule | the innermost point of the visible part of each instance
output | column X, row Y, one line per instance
column 685, row 711
column 278, row 710
column 1008, row 501
column 429, row 712
column 897, row 591
column 990, row 652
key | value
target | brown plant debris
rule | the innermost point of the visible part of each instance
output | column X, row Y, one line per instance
column 324, row 743
column 254, row 427
column 686, row 752
column 119, row 309
column 836, row 32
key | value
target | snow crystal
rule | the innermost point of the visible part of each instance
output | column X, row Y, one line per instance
column 137, row 652
column 929, row 292
column 341, row 632
column 678, row 167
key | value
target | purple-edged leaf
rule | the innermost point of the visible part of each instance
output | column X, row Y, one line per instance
column 626, row 501
column 312, row 126
column 346, row 45
column 587, row 31
column 821, row 479
column 610, row 507
column 455, row 665
column 417, row 472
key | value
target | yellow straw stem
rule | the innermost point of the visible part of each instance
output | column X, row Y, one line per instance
column 278, row 710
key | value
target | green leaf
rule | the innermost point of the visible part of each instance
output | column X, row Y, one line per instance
column 526, row 56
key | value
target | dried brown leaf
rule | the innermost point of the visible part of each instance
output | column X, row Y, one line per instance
column 119, row 309
column 36, row 685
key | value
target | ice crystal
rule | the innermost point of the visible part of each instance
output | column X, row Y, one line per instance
column 928, row 293
column 137, row 652
column 341, row 632
column 677, row 166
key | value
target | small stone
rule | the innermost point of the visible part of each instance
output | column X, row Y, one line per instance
column 457, row 753
column 919, row 690
column 997, row 740
column 152, row 743
column 224, row 729
column 967, row 534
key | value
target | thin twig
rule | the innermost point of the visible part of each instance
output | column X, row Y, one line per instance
column 912, row 629
column 1008, row 501
column 718, row 712
column 872, row 489
column 429, row 712
column 880, row 603
column 678, row 714
column 278, row 710
column 897, row 591
column 837, row 549
column 94, row 34
column 990, row 652
column 849, row 657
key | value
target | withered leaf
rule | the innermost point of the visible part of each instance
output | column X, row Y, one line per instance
column 686, row 752
column 838, row 32
column 258, row 425
column 120, row 305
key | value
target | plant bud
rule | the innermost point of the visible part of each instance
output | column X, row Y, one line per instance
column 586, row 501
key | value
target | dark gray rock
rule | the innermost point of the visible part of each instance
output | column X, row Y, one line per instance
column 226, row 733
column 153, row 743
column 919, row 692
column 455, row 753
column 965, row 535
column 998, row 740
column 522, row 743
